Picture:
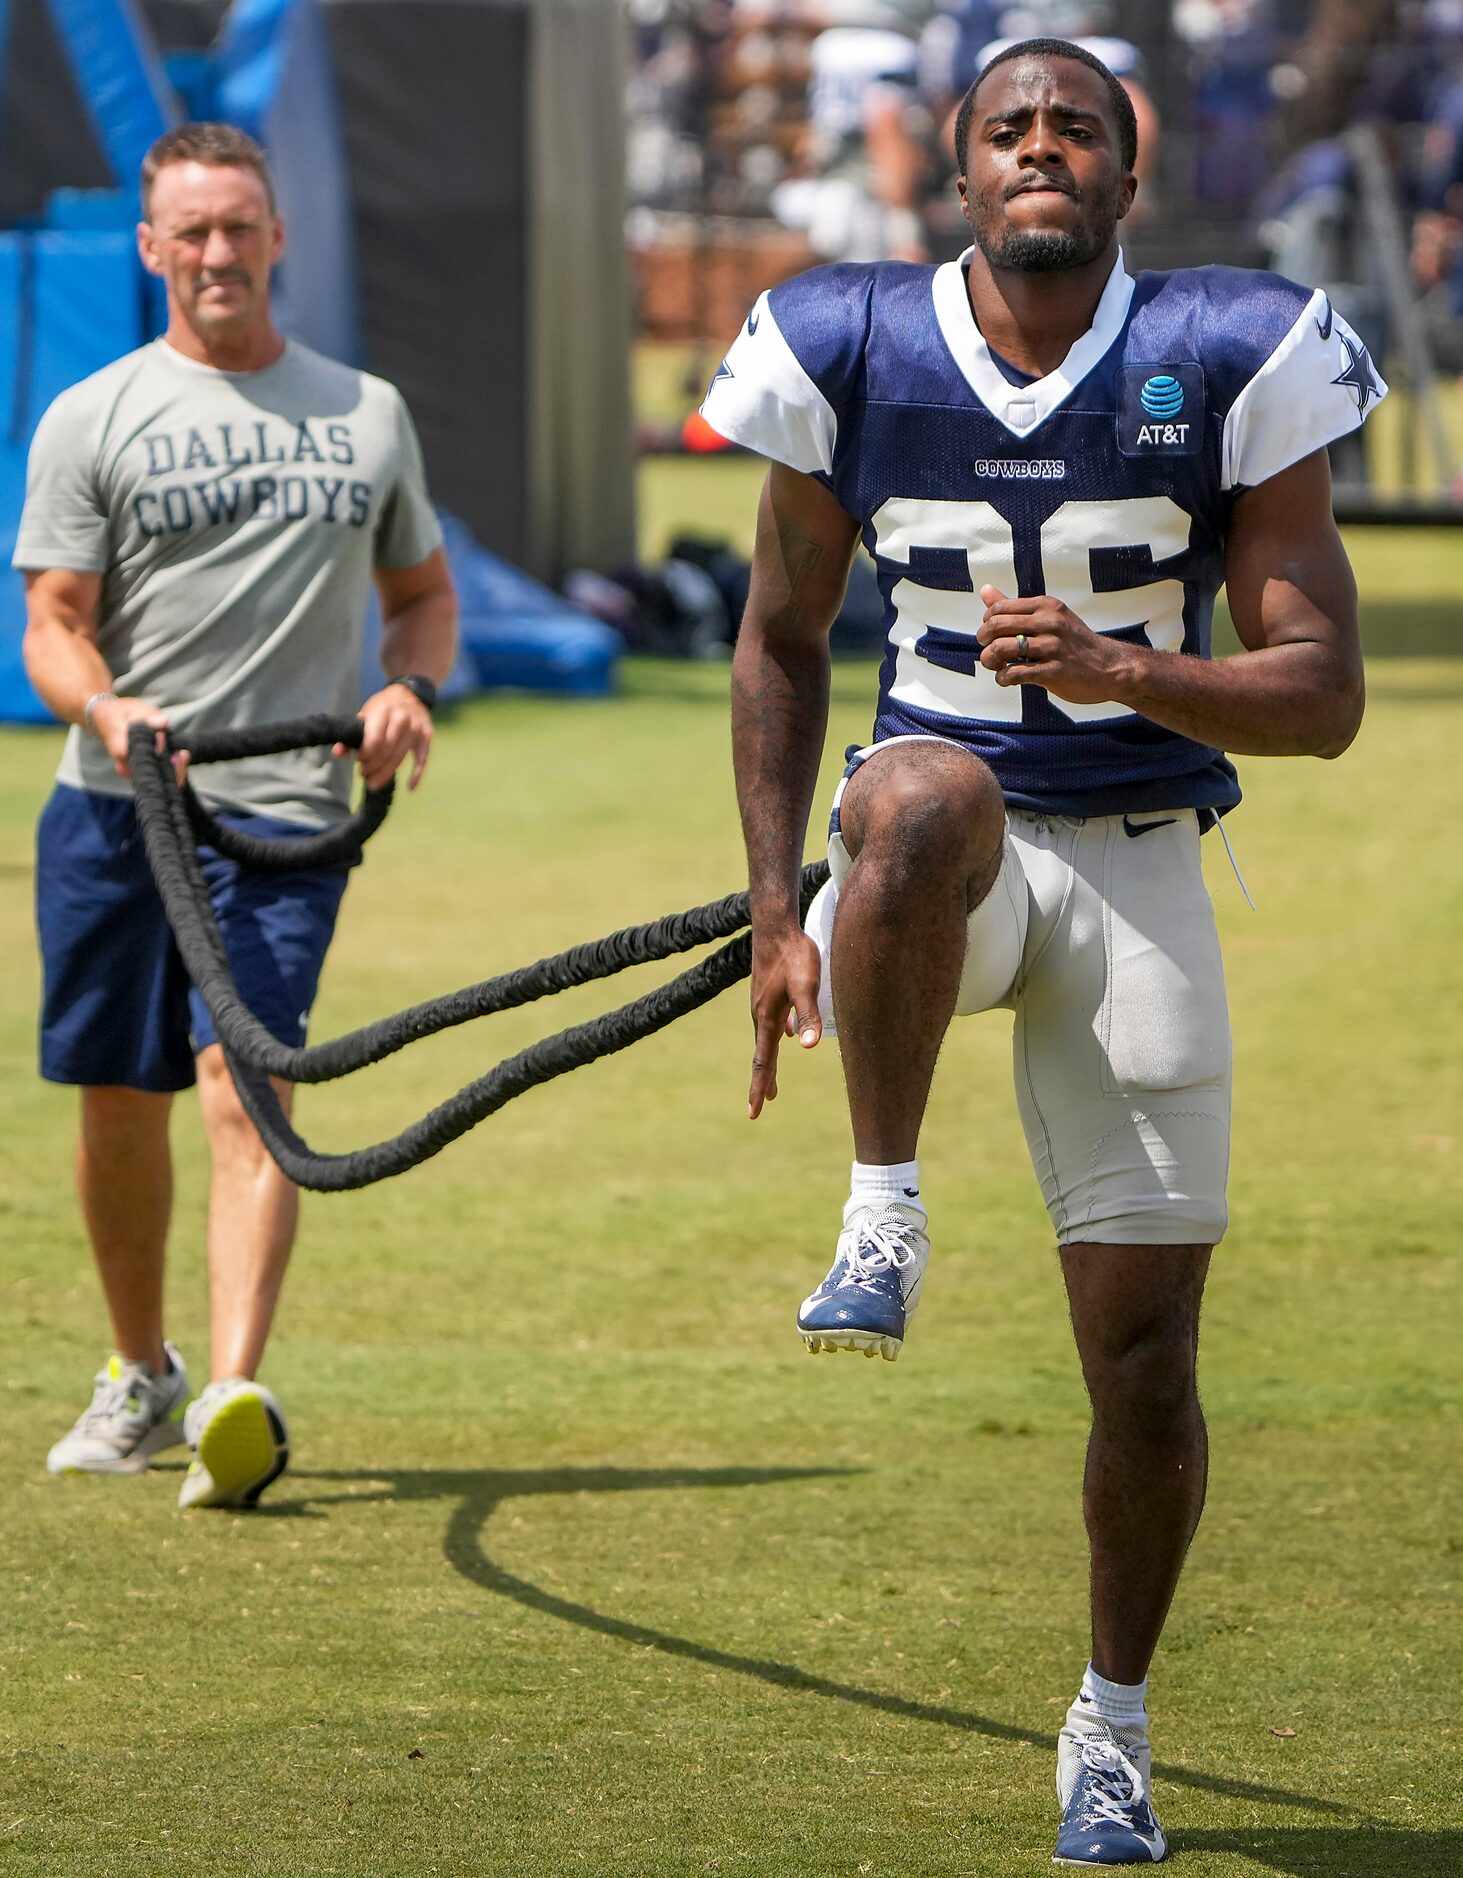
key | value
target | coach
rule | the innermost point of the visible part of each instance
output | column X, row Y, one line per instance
column 203, row 519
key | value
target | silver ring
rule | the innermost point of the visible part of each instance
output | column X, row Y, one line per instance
column 1021, row 644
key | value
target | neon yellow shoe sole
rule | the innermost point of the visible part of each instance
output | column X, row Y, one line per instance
column 241, row 1446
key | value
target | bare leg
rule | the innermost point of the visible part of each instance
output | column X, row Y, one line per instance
column 1135, row 1311
column 124, row 1174
column 252, row 1211
column 924, row 825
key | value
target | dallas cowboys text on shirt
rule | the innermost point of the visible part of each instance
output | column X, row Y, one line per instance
column 213, row 475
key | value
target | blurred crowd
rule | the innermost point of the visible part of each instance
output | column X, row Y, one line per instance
column 1277, row 132
column 832, row 116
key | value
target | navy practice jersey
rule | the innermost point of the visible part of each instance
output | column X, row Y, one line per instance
column 1108, row 484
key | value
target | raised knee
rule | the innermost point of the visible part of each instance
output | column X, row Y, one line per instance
column 933, row 816
column 915, row 820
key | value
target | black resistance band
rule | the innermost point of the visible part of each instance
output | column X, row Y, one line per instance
column 174, row 821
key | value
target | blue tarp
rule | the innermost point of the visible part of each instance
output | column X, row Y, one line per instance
column 75, row 304
column 516, row 635
column 519, row 634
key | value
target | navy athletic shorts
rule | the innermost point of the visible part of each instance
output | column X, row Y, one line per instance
column 117, row 1005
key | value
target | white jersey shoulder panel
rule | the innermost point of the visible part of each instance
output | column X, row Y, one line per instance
column 762, row 398
column 1318, row 384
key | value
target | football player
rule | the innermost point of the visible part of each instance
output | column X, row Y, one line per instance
column 1054, row 465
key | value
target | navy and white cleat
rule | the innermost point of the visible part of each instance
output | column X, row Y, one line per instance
column 866, row 1301
column 1109, row 1818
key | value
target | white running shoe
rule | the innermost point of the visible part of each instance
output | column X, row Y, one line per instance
column 133, row 1415
column 866, row 1301
column 240, row 1445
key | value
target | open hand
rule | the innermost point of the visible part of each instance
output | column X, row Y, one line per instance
column 786, row 971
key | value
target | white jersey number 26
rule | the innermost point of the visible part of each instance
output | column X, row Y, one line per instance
column 960, row 686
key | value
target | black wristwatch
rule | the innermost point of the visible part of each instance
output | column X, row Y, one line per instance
column 420, row 686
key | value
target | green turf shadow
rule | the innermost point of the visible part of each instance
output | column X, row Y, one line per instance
column 480, row 1492
column 1340, row 1851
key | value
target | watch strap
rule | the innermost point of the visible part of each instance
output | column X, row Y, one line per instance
column 419, row 685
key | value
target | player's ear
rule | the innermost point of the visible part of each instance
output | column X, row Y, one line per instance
column 1126, row 194
column 147, row 248
column 276, row 239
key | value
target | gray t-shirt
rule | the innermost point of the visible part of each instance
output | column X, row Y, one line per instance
column 236, row 518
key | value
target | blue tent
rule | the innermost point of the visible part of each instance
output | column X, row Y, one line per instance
column 516, row 635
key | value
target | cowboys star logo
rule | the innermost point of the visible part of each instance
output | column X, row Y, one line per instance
column 1357, row 374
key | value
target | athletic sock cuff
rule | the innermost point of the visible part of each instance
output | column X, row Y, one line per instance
column 1124, row 1704
column 899, row 1181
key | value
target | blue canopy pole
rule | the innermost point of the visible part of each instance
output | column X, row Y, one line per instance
column 121, row 77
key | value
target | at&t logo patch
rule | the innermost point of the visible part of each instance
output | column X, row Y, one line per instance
column 1162, row 396
column 1161, row 409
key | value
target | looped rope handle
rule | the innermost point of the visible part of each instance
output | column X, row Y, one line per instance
column 253, row 1055
column 339, row 845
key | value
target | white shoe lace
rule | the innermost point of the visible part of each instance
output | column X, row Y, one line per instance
column 882, row 1245
column 110, row 1399
column 1116, row 1786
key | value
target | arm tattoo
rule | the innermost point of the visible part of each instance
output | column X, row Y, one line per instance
column 798, row 557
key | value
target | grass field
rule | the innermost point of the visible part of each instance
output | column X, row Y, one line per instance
column 583, row 1566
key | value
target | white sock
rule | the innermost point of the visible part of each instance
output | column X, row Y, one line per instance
column 1119, row 1704
column 878, row 1186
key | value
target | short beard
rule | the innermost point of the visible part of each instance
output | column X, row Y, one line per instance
column 1045, row 250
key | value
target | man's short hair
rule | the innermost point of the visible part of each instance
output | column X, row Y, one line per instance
column 1122, row 104
column 219, row 146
